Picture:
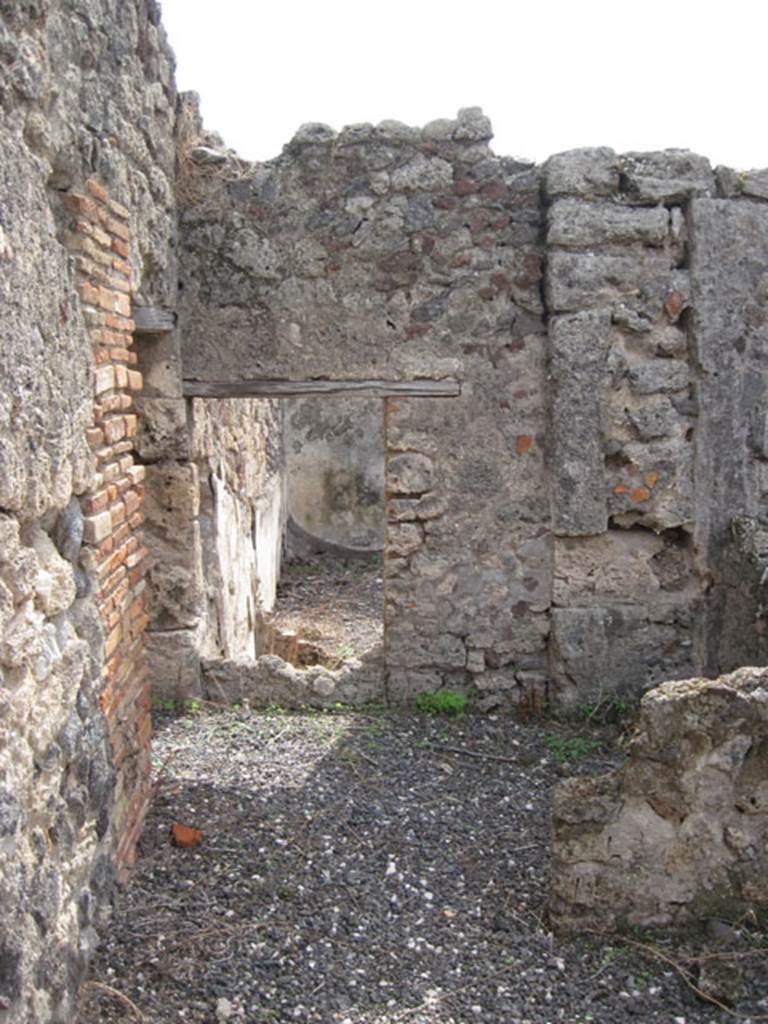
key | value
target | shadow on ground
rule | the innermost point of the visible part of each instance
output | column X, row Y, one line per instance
column 360, row 869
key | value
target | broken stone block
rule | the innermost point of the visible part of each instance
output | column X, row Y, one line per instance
column 582, row 172
column 666, row 176
column 679, row 833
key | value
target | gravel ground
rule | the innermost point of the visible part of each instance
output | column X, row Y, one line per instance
column 336, row 605
column 366, row 869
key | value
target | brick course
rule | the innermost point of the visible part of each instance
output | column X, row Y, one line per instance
column 116, row 557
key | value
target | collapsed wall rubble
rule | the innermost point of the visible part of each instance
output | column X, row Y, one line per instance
column 680, row 832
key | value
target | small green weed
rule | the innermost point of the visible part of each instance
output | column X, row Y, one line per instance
column 572, row 748
column 441, row 702
column 163, row 704
column 175, row 706
column 609, row 709
column 611, row 954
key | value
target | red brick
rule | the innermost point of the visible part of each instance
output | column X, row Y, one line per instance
column 113, row 639
column 119, row 284
column 118, row 323
column 95, row 503
column 90, row 269
column 116, row 227
column 135, row 575
column 112, row 403
column 96, row 527
column 120, row 248
column 80, row 205
column 105, row 548
column 140, row 624
column 101, row 237
column 100, row 355
column 114, row 429
column 135, row 557
column 122, row 532
column 117, row 511
column 96, row 190
column 88, row 246
column 132, row 501
column 89, row 294
column 95, row 437
column 118, row 210
column 135, row 380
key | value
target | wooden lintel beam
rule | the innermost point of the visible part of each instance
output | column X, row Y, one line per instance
column 153, row 320
column 293, row 388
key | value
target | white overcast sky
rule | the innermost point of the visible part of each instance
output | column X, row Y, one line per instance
column 552, row 76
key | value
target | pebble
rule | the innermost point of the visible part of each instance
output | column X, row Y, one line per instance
column 396, row 872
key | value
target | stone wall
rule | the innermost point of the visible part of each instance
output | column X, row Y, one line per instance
column 215, row 517
column 586, row 516
column 87, row 95
column 113, row 554
column 334, row 451
column 627, row 589
column 401, row 253
column 560, row 530
column 680, row 832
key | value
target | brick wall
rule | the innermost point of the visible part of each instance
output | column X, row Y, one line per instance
column 114, row 553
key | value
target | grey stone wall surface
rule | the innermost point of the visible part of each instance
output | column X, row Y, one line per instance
column 680, row 831
column 334, row 453
column 215, row 506
column 624, row 421
column 397, row 253
column 86, row 91
column 729, row 269
column 546, row 529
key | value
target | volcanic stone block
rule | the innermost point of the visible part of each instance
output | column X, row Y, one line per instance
column 574, row 222
column 579, row 344
column 577, row 280
column 666, row 176
column 582, row 172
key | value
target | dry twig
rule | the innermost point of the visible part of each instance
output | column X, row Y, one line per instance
column 659, row 954
column 99, row 986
